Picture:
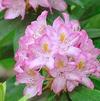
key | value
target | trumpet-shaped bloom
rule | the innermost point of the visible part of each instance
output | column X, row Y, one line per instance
column 63, row 73
column 33, row 81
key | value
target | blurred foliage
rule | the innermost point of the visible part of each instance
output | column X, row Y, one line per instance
column 2, row 91
column 86, row 11
column 14, row 92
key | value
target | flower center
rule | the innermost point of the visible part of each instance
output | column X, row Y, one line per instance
column 45, row 47
column 80, row 65
column 62, row 37
column 31, row 72
column 60, row 64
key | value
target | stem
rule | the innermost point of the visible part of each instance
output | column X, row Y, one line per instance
column 48, row 84
column 48, row 79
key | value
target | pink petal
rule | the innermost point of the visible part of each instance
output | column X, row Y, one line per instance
column 24, row 78
column 73, row 77
column 87, row 82
column 42, row 17
column 37, row 62
column 71, row 85
column 44, row 3
column 73, row 51
column 50, row 63
column 57, row 23
column 58, row 4
column 1, row 6
column 58, row 84
column 14, row 8
column 18, row 69
column 30, row 91
column 66, row 17
column 11, row 14
column 33, row 3
column 53, row 72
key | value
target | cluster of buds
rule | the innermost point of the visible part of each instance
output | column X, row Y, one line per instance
column 62, row 49
column 15, row 8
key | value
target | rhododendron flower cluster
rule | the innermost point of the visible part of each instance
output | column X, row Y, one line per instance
column 15, row 8
column 62, row 49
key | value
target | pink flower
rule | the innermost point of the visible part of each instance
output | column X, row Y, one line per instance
column 44, row 53
column 33, row 81
column 56, row 4
column 65, row 37
column 63, row 74
column 15, row 8
column 41, row 48
column 36, row 3
column 63, row 49
column 36, row 29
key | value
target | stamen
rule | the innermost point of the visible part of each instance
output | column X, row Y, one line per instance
column 31, row 72
column 45, row 47
column 62, row 37
column 80, row 65
column 60, row 64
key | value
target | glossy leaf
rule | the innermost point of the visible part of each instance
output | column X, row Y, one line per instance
column 96, row 82
column 85, row 94
column 93, row 33
column 91, row 8
column 97, row 42
column 76, row 2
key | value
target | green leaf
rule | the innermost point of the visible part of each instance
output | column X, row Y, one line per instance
column 92, row 23
column 13, row 92
column 17, row 36
column 93, row 28
column 63, row 97
column 7, row 63
column 1, row 15
column 6, row 52
column 93, row 33
column 96, row 82
column 85, row 94
column 2, row 91
column 51, row 96
column 97, row 42
column 43, row 97
column 7, row 39
column 7, row 32
column 91, row 8
column 7, row 27
column 23, row 99
column 46, row 96
column 76, row 2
